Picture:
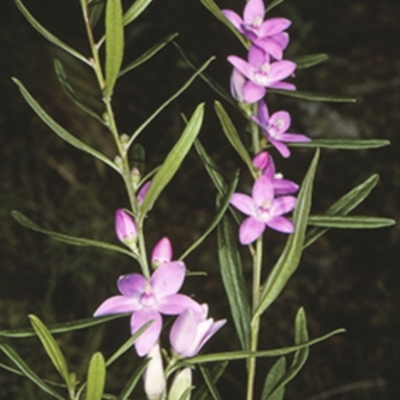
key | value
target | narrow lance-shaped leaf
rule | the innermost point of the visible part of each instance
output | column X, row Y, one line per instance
column 69, row 90
column 96, row 8
column 135, row 10
column 48, row 35
column 299, row 359
column 52, row 349
column 297, row 94
column 344, row 144
column 215, row 373
column 132, row 382
column 344, row 205
column 210, row 384
column 242, row 355
column 274, row 376
column 114, row 44
column 147, row 55
column 59, row 130
column 96, row 377
column 233, row 137
column 310, row 60
column 73, row 240
column 233, row 280
column 273, row 4
column 27, row 371
column 350, row 222
column 290, row 257
column 218, row 216
column 173, row 160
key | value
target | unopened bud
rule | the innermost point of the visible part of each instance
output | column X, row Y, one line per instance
column 154, row 378
column 125, row 228
column 181, row 386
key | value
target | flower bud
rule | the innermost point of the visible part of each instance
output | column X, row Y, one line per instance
column 162, row 253
column 135, row 177
column 154, row 378
column 261, row 160
column 181, row 385
column 125, row 228
column 191, row 330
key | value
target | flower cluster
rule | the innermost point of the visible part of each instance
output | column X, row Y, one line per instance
column 264, row 68
column 148, row 299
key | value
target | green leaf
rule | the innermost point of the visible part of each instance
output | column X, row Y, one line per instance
column 59, row 130
column 233, row 280
column 96, row 8
column 96, row 377
column 220, row 213
column 169, row 101
column 344, row 144
column 290, row 257
column 350, row 222
column 61, row 328
column 310, row 60
column 215, row 374
column 135, row 10
column 27, row 372
column 132, row 382
column 69, row 90
column 243, row 355
column 48, row 35
column 344, row 205
column 233, row 136
column 215, row 10
column 128, row 344
column 273, row 4
column 297, row 94
column 52, row 349
column 274, row 376
column 173, row 160
column 209, row 382
column 147, row 55
column 114, row 44
column 73, row 240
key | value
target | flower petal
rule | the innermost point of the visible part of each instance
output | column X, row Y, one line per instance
column 243, row 203
column 283, row 205
column 263, row 113
column 253, row 92
column 177, row 303
column 183, row 332
column 284, row 186
column 213, row 328
column 295, row 137
column 131, row 285
column 234, row 19
column 250, row 230
column 273, row 26
column 282, row 39
column 281, row 119
column 252, row 10
column 262, row 191
column 257, row 57
column 281, row 147
column 281, row 70
column 149, row 337
column 168, row 279
column 270, row 46
column 242, row 66
column 281, row 224
column 282, row 85
column 117, row 305
column 236, row 84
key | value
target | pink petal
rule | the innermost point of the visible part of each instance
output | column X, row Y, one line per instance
column 253, row 9
column 143, row 191
column 149, row 337
column 215, row 326
column 176, row 304
column 234, row 19
column 263, row 113
column 250, row 230
column 282, row 85
column 281, row 70
column 281, row 224
column 257, row 57
column 236, row 84
column 282, row 39
column 281, row 119
column 243, row 203
column 262, row 190
column 281, row 147
column 241, row 65
column 117, row 305
column 282, row 205
column 273, row 26
column 131, row 285
column 295, row 137
column 168, row 279
column 270, row 46
column 284, row 186
column 183, row 332
column 253, row 92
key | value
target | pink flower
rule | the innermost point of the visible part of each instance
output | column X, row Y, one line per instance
column 267, row 34
column 262, row 73
column 148, row 299
column 275, row 127
column 264, row 162
column 125, row 228
column 191, row 330
column 263, row 210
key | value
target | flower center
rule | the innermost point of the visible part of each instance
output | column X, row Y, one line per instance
column 147, row 299
column 261, row 76
column 275, row 129
column 262, row 211
column 257, row 21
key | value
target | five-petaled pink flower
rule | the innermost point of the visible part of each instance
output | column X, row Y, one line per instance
column 191, row 330
column 263, row 210
column 267, row 34
column 262, row 73
column 148, row 299
column 275, row 127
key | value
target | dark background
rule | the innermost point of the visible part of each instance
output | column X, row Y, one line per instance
column 347, row 279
